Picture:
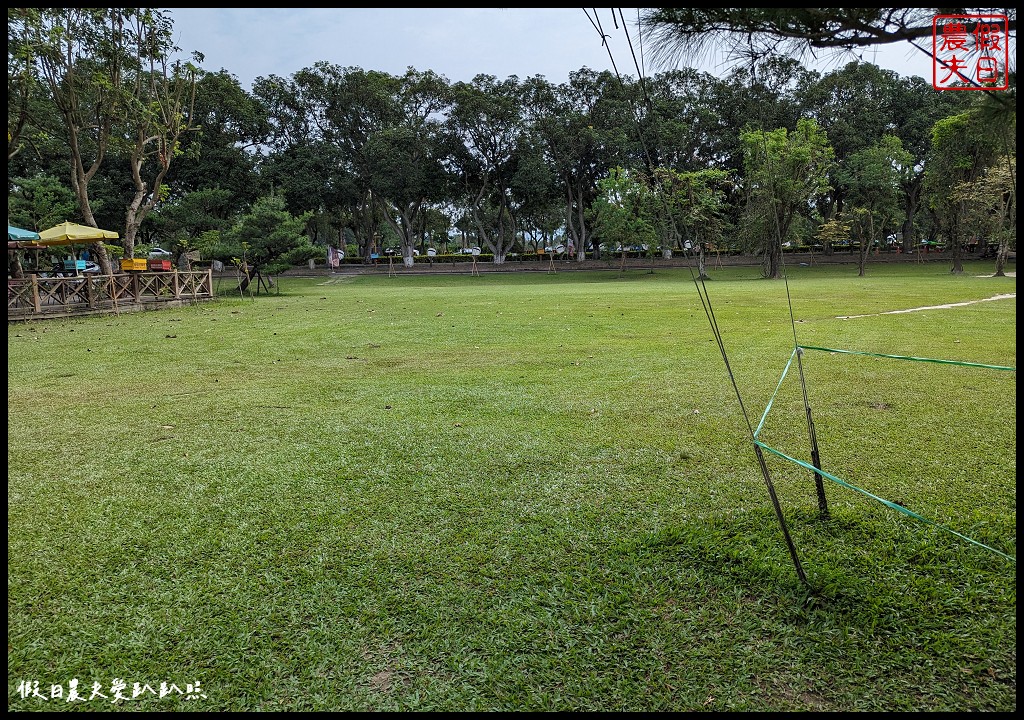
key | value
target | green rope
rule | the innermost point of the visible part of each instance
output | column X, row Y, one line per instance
column 909, row 357
column 845, row 484
column 771, row 400
column 887, row 503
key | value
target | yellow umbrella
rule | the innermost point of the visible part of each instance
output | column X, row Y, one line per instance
column 68, row 233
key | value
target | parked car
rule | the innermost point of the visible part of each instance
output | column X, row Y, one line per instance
column 159, row 254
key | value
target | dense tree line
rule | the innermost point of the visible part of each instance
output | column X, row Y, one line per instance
column 105, row 129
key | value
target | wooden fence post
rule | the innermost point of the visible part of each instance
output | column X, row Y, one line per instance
column 35, row 294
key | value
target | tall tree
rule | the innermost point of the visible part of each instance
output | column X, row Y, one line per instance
column 22, row 79
column 106, row 71
column 305, row 157
column 358, row 113
column 961, row 154
column 1000, row 123
column 158, row 112
column 990, row 205
column 872, row 177
column 536, row 193
column 406, row 172
column 685, row 124
column 622, row 211
column 586, row 128
column 694, row 203
column 854, row 106
column 214, row 179
column 783, row 172
column 915, row 110
column 487, row 118
column 231, row 129
column 78, row 60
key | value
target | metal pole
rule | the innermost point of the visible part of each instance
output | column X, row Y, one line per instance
column 778, row 514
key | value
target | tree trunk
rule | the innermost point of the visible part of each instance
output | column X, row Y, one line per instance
column 99, row 251
column 14, row 264
column 958, row 257
column 955, row 247
column 1001, row 253
column 865, row 245
column 913, row 196
column 772, row 255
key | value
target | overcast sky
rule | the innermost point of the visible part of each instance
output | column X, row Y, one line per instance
column 456, row 43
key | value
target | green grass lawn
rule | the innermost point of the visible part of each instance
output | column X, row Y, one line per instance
column 519, row 492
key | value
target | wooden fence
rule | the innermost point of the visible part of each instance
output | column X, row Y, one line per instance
column 34, row 296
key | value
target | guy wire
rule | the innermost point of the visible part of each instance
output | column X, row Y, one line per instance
column 706, row 302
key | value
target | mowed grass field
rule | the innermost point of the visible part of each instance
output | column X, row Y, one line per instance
column 519, row 492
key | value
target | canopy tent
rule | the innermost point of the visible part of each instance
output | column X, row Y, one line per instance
column 21, row 239
column 17, row 233
column 68, row 233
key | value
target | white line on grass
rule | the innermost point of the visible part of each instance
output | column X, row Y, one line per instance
column 929, row 307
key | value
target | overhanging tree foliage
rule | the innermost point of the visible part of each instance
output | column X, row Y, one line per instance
column 754, row 32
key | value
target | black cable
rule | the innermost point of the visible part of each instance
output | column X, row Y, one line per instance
column 706, row 302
